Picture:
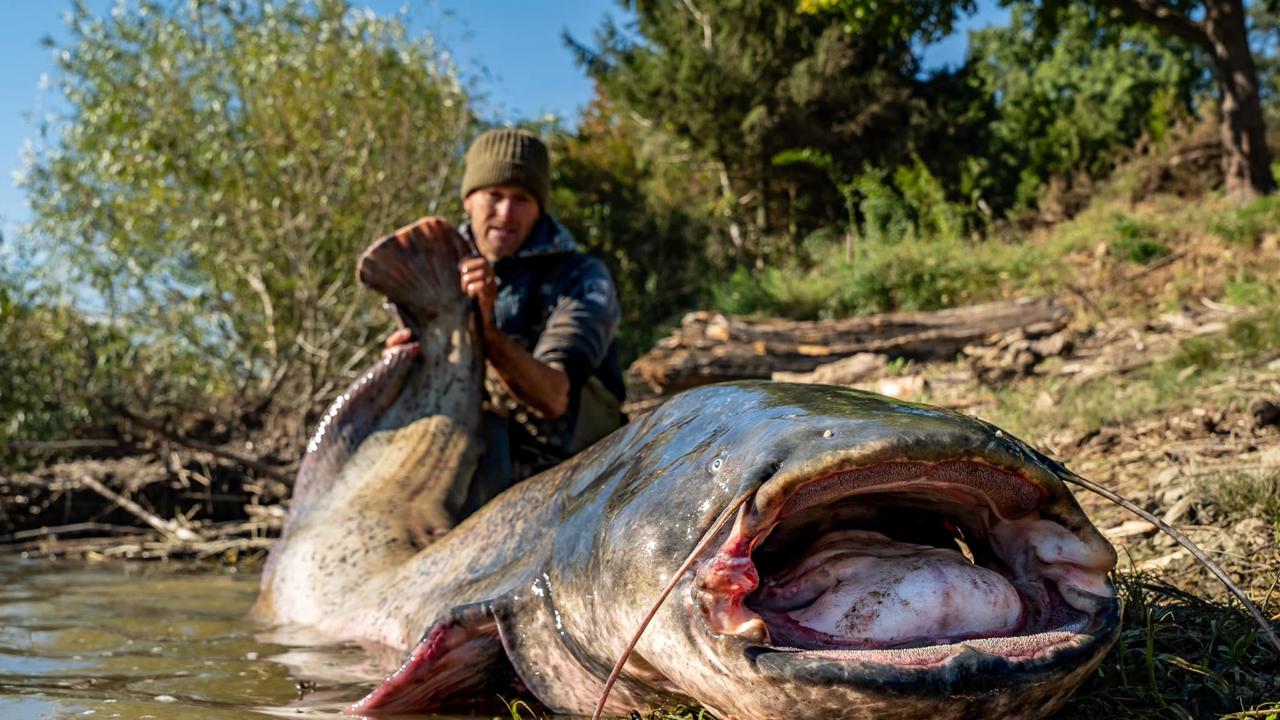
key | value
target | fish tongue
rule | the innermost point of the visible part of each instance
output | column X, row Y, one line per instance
column 872, row 590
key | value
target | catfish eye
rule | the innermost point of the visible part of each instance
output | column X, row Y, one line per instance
column 716, row 464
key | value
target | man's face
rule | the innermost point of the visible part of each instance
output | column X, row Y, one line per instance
column 502, row 216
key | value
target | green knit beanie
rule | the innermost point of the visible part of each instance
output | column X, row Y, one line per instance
column 508, row 157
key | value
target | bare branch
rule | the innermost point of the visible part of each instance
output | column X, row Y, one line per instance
column 1163, row 18
column 157, row 429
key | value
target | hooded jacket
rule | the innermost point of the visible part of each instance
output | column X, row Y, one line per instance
column 561, row 305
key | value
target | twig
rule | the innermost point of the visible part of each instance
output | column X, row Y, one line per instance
column 23, row 535
column 1155, row 265
column 251, row 463
column 1087, row 300
column 54, row 445
column 169, row 529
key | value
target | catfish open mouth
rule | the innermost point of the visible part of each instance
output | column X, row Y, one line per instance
column 909, row 564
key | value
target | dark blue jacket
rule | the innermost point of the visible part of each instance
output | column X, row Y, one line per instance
column 562, row 306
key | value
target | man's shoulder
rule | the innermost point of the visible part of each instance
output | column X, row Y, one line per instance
column 548, row 238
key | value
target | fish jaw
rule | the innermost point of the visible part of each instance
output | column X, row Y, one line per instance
column 844, row 589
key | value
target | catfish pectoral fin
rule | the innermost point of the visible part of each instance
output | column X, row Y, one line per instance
column 458, row 658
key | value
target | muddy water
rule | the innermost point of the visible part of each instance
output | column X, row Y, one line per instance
column 158, row 642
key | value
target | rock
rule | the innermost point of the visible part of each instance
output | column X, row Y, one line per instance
column 1180, row 510
column 1264, row 412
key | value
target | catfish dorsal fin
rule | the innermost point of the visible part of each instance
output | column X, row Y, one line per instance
column 416, row 267
column 458, row 658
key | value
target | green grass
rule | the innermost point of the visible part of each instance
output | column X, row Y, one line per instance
column 1247, row 224
column 1179, row 656
column 1248, row 289
column 908, row 274
column 1243, row 495
column 1136, row 240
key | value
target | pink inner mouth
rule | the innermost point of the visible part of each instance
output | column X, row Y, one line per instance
column 860, row 588
column 901, row 557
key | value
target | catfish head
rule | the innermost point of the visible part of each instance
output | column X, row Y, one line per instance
column 893, row 560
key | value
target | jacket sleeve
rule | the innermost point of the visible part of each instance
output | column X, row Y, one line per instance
column 583, row 322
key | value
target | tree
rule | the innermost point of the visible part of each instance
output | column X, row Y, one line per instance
column 1222, row 34
column 1067, row 100
column 220, row 167
column 616, row 190
column 1216, row 27
column 743, row 80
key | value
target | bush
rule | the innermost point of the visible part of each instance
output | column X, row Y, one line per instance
column 218, row 169
column 1135, row 242
column 52, row 386
column 1248, row 223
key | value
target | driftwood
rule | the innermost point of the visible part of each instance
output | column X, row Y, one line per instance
column 228, row 541
column 167, row 527
column 284, row 475
column 710, row 347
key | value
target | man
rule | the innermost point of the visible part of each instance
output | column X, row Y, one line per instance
column 549, row 314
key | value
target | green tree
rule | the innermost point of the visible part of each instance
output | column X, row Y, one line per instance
column 221, row 166
column 1066, row 101
column 616, row 190
column 742, row 80
column 1218, row 28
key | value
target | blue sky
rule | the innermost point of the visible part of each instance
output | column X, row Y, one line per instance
column 508, row 50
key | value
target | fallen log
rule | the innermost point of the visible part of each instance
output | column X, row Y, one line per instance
column 711, row 347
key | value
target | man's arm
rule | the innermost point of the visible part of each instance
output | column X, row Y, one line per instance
column 543, row 387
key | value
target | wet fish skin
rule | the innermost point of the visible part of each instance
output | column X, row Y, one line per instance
column 389, row 466
column 550, row 579
column 635, row 506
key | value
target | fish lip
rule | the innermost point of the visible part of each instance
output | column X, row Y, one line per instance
column 957, row 668
column 1046, row 649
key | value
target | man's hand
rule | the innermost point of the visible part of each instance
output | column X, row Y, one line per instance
column 480, row 284
column 403, row 336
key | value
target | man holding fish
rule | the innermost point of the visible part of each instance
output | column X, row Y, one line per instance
column 549, row 315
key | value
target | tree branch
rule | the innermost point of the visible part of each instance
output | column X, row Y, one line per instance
column 1163, row 18
column 251, row 463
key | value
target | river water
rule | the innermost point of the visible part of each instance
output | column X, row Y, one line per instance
column 158, row 642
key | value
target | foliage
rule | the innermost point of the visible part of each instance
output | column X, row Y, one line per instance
column 49, row 372
column 615, row 192
column 1070, row 95
column 1136, row 242
column 741, row 81
column 922, row 21
column 1250, row 336
column 1178, row 656
column 221, row 166
column 1247, row 224
column 909, row 273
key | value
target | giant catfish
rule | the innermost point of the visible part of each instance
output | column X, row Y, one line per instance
column 887, row 560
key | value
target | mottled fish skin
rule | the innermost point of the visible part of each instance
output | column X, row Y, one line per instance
column 615, row 522
column 389, row 464
column 552, row 577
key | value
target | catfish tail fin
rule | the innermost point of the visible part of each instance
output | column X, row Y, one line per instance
column 416, row 268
